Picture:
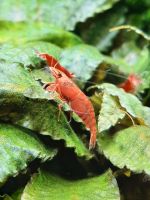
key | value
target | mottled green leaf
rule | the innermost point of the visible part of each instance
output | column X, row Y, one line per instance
column 28, row 32
column 26, row 53
column 82, row 60
column 15, row 80
column 16, row 77
column 129, row 102
column 42, row 117
column 97, row 30
column 128, row 148
column 136, row 60
column 17, row 84
column 64, row 13
column 54, row 187
column 110, row 112
column 18, row 148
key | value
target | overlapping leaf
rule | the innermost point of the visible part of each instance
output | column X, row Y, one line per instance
column 128, row 148
column 64, row 13
column 127, row 101
column 96, row 188
column 18, row 84
column 26, row 54
column 15, row 80
column 135, row 60
column 110, row 112
column 81, row 60
column 18, row 148
column 42, row 117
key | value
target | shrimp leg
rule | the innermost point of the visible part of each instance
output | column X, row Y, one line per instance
column 52, row 87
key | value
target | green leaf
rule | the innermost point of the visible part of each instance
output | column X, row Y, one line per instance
column 18, row 148
column 82, row 60
column 129, row 102
column 136, row 60
column 97, row 31
column 21, row 102
column 42, row 117
column 17, row 84
column 128, row 148
column 137, row 4
column 54, row 187
column 110, row 112
column 64, row 13
column 16, row 81
column 18, row 33
column 26, row 53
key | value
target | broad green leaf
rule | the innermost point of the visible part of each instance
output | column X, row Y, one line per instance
column 42, row 117
column 110, row 112
column 18, row 33
column 129, row 102
column 54, row 187
column 17, row 77
column 136, row 59
column 82, row 60
column 97, row 30
column 18, row 148
column 17, row 84
column 15, row 81
column 129, row 59
column 26, row 53
column 128, row 148
column 64, row 13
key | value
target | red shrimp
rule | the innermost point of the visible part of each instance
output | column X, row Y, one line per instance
column 52, row 62
column 131, row 84
column 76, row 99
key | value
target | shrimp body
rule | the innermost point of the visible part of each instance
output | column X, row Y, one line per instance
column 77, row 100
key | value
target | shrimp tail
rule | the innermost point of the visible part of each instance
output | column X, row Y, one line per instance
column 92, row 142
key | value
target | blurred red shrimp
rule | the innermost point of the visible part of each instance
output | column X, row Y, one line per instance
column 131, row 84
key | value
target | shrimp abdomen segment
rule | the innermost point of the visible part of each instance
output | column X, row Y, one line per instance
column 84, row 109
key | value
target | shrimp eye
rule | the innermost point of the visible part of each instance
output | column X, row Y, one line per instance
column 59, row 75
